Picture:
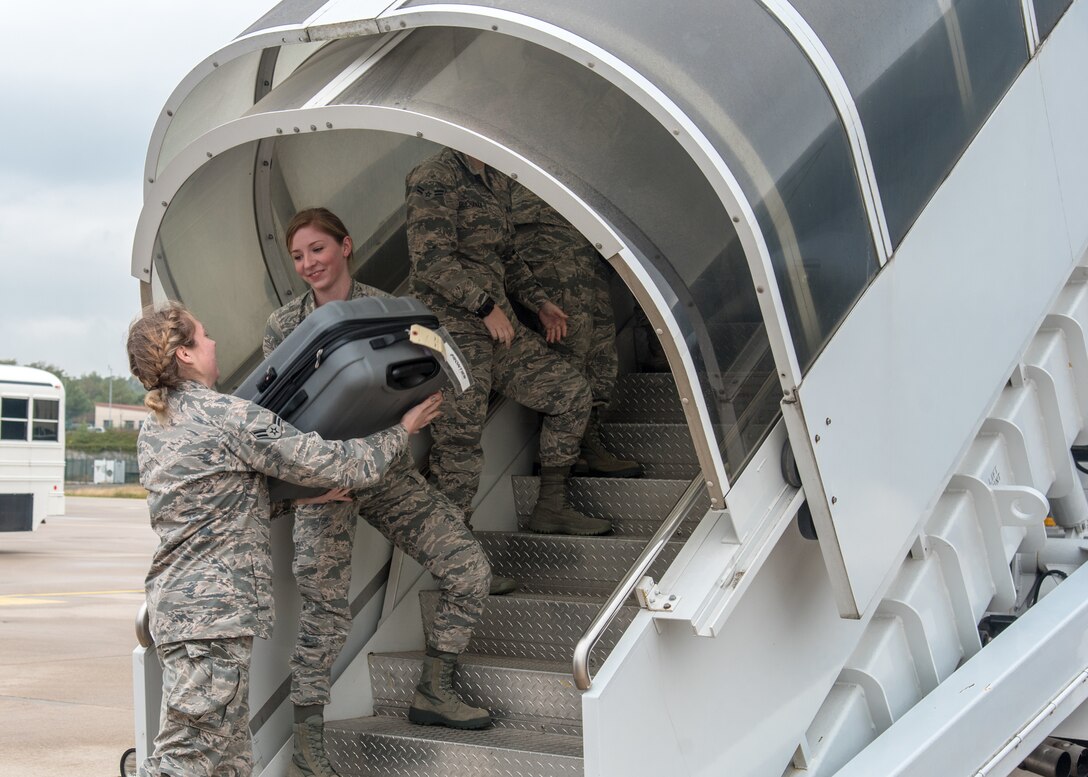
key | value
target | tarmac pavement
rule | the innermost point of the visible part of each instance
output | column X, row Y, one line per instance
column 69, row 594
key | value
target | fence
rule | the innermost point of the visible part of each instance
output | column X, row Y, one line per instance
column 79, row 467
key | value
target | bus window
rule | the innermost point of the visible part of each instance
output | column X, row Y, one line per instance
column 46, row 420
column 13, row 418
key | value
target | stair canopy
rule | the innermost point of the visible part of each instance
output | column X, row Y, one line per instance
column 643, row 127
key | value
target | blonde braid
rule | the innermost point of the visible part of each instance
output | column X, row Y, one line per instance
column 153, row 341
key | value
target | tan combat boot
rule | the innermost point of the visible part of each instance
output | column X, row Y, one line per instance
column 436, row 702
column 553, row 513
column 601, row 462
column 308, row 759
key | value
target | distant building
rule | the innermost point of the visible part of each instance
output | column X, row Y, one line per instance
column 119, row 416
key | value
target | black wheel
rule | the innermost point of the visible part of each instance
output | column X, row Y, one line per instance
column 805, row 523
column 128, row 763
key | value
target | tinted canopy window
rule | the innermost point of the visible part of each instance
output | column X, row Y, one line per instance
column 738, row 76
column 925, row 74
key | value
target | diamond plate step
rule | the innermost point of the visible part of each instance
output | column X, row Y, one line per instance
column 520, row 693
column 648, row 397
column 636, row 506
column 650, row 443
column 557, row 564
column 533, row 627
column 390, row 747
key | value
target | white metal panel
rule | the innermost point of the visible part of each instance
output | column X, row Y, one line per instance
column 1063, row 63
column 737, row 704
column 1025, row 682
column 902, row 387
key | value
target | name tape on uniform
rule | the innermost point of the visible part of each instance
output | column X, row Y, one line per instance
column 421, row 335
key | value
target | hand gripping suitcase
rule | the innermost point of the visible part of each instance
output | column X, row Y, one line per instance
column 354, row 368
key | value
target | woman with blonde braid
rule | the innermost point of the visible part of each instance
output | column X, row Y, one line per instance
column 203, row 457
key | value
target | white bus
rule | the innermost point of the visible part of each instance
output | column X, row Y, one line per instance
column 31, row 447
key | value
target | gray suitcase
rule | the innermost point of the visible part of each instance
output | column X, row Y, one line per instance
column 348, row 370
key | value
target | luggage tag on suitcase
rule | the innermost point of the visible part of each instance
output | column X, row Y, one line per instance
column 453, row 363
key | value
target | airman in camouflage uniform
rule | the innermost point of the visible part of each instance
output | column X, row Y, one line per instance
column 410, row 513
column 461, row 244
column 209, row 587
column 571, row 272
column 403, row 507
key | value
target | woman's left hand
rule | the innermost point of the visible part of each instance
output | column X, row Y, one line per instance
column 554, row 320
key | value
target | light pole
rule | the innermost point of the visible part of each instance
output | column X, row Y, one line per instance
column 109, row 413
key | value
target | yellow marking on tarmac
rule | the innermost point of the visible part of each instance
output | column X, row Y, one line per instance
column 22, row 600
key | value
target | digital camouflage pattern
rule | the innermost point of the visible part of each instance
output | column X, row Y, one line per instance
column 408, row 512
column 573, row 275
column 284, row 320
column 529, row 373
column 461, row 242
column 461, row 245
column 204, row 724
column 204, row 472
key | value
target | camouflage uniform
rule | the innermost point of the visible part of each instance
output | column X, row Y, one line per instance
column 410, row 514
column 572, row 273
column 461, row 242
column 209, row 588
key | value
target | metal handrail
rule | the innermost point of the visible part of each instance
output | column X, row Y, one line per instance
column 143, row 628
column 649, row 554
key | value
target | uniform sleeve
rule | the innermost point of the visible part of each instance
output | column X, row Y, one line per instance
column 273, row 334
column 431, row 201
column 270, row 445
column 522, row 285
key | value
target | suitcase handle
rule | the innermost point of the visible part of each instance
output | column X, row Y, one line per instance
column 406, row 375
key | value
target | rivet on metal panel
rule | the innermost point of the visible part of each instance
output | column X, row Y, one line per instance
column 289, row 293
column 313, row 128
column 146, row 271
column 404, row 24
column 598, row 246
column 265, row 163
column 209, row 155
column 591, row 64
column 827, row 421
column 710, row 484
column 759, row 289
column 667, row 606
column 296, row 129
column 164, row 203
column 169, row 113
column 270, row 236
column 713, row 502
column 328, row 125
column 817, row 438
column 834, row 500
column 672, row 597
column 215, row 64
column 676, row 132
column 514, row 176
column 658, row 332
column 419, row 134
column 736, row 219
column 279, row 130
column 151, row 180
column 683, row 400
column 494, row 27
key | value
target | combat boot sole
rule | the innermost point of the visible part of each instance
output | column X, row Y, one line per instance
column 430, row 718
column 560, row 526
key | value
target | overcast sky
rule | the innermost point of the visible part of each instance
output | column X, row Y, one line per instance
column 82, row 83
